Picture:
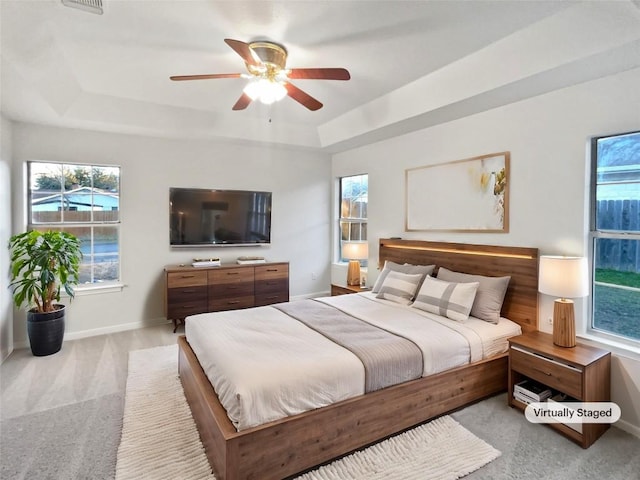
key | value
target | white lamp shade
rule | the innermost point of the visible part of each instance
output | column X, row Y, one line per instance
column 355, row 250
column 564, row 277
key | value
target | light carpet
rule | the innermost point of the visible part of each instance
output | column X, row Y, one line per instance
column 160, row 440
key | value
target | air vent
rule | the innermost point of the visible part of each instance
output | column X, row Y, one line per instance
column 92, row 6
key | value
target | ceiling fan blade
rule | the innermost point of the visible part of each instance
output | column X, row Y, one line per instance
column 319, row 73
column 205, row 77
column 243, row 102
column 302, row 97
column 244, row 51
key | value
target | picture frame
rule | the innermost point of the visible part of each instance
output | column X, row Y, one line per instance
column 469, row 195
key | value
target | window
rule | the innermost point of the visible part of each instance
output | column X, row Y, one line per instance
column 615, row 236
column 353, row 210
column 83, row 200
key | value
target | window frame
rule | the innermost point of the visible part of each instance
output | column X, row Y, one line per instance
column 93, row 286
column 353, row 220
column 594, row 234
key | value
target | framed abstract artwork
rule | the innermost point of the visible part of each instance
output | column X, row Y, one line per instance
column 470, row 195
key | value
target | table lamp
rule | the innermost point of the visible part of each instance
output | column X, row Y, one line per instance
column 564, row 277
column 354, row 252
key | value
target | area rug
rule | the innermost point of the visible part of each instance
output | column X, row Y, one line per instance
column 160, row 440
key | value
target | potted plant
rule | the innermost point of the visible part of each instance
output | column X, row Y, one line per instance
column 42, row 263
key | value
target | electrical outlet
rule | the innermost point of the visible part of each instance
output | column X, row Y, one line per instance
column 550, row 321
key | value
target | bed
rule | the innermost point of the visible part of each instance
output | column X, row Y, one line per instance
column 286, row 446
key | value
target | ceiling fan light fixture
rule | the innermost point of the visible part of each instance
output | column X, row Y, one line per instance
column 269, row 77
column 265, row 90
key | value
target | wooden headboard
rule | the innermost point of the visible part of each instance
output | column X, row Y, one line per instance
column 521, row 263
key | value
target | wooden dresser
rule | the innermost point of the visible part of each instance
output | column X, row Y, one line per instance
column 192, row 290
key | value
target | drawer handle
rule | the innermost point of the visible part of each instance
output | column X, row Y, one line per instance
column 272, row 297
column 543, row 372
column 188, row 291
column 233, row 273
column 272, row 269
column 187, row 276
column 233, row 302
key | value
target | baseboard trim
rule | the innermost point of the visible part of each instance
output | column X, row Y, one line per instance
column 628, row 427
column 8, row 352
column 115, row 328
column 94, row 332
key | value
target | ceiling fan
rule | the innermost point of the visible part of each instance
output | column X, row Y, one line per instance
column 268, row 75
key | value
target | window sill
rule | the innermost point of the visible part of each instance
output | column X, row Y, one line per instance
column 617, row 347
column 99, row 289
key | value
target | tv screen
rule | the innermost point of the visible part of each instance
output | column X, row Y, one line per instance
column 202, row 217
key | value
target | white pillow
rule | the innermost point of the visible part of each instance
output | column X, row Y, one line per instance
column 447, row 299
column 399, row 287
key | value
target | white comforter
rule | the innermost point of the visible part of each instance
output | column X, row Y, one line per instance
column 265, row 365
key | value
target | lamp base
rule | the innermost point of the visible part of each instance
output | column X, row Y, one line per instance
column 564, row 324
column 353, row 274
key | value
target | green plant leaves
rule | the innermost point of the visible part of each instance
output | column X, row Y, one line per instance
column 42, row 262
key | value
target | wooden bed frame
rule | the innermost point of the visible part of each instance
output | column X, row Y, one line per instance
column 292, row 445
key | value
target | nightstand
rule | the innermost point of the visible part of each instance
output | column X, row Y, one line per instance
column 346, row 289
column 581, row 372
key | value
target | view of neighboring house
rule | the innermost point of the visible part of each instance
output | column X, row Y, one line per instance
column 80, row 199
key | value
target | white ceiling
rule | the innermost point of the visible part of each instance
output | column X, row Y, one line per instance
column 413, row 63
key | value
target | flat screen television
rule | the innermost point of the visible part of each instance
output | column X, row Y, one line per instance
column 206, row 217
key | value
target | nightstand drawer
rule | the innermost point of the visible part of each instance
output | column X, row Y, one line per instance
column 559, row 376
column 345, row 290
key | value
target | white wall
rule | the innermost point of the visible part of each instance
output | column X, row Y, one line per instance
column 299, row 180
column 547, row 137
column 6, row 301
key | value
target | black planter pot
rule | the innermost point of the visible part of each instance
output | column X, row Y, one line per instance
column 46, row 331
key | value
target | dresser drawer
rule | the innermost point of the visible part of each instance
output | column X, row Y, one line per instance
column 231, row 275
column 183, row 310
column 185, row 301
column 277, row 285
column 186, row 279
column 269, row 298
column 557, row 375
column 228, row 290
column 272, row 272
column 176, row 296
column 232, row 303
